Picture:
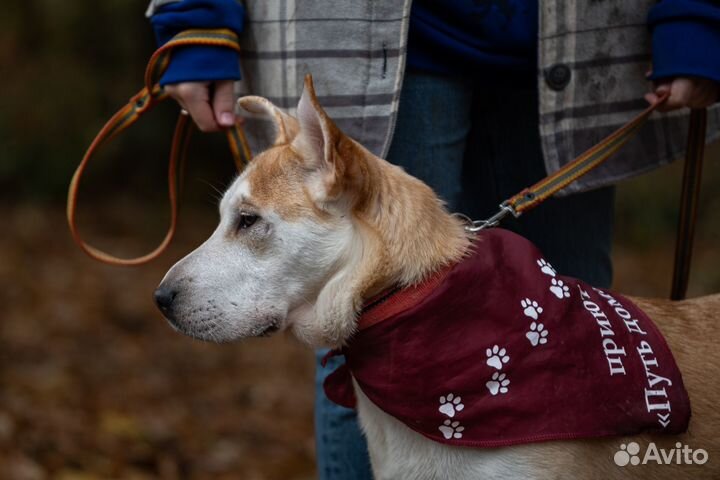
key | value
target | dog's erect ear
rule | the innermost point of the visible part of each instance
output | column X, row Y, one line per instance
column 285, row 125
column 324, row 147
column 316, row 128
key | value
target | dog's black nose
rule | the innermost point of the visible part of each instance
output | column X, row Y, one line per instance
column 164, row 297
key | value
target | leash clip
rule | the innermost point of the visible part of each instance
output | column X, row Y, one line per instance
column 505, row 210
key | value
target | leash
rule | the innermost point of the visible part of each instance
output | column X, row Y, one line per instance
column 141, row 103
column 531, row 197
column 689, row 199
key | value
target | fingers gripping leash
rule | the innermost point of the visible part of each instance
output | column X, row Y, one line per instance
column 151, row 95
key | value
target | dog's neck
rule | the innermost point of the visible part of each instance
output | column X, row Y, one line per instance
column 403, row 235
column 411, row 232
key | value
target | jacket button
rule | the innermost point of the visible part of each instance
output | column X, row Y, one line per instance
column 558, row 76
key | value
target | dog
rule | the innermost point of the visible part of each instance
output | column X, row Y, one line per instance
column 316, row 225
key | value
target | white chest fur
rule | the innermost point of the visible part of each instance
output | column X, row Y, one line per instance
column 398, row 453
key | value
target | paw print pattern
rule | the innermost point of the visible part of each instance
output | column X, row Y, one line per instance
column 497, row 357
column 450, row 404
column 451, row 429
column 498, row 384
column 559, row 289
column 537, row 334
column 531, row 308
column 546, row 268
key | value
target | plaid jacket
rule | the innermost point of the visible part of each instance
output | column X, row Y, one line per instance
column 592, row 62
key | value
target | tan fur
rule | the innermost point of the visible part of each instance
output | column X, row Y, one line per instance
column 408, row 234
column 286, row 125
column 278, row 180
column 405, row 223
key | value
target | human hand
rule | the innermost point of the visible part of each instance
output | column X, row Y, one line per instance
column 210, row 104
column 693, row 92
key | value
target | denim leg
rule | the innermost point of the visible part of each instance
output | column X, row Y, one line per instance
column 429, row 143
column 503, row 157
column 340, row 445
column 431, row 133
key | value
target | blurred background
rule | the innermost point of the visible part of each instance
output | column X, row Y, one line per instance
column 93, row 383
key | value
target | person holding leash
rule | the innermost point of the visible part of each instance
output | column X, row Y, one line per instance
column 478, row 98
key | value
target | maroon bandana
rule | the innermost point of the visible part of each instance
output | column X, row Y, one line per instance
column 502, row 350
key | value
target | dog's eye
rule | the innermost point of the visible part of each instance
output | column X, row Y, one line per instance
column 246, row 220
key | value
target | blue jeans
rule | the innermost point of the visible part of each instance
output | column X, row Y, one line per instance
column 475, row 146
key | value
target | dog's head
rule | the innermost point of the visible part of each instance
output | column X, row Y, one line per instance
column 311, row 225
column 285, row 231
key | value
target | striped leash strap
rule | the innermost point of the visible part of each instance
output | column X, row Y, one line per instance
column 531, row 197
column 141, row 103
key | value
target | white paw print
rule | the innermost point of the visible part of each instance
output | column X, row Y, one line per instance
column 496, row 357
column 559, row 289
column 546, row 268
column 451, row 429
column 450, row 405
column 498, row 384
column 531, row 308
column 537, row 334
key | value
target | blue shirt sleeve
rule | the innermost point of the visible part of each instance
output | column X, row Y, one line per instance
column 685, row 39
column 199, row 63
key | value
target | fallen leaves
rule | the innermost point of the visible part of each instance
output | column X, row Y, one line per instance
column 95, row 385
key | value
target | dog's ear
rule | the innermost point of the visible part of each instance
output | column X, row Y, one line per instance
column 285, row 125
column 323, row 146
column 316, row 128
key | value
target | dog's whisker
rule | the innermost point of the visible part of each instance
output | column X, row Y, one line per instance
column 306, row 300
column 218, row 191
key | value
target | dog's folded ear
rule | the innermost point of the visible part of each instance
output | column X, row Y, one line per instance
column 285, row 125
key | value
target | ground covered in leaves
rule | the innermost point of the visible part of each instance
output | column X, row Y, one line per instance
column 95, row 385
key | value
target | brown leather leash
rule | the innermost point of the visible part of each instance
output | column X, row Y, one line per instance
column 141, row 103
column 689, row 199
